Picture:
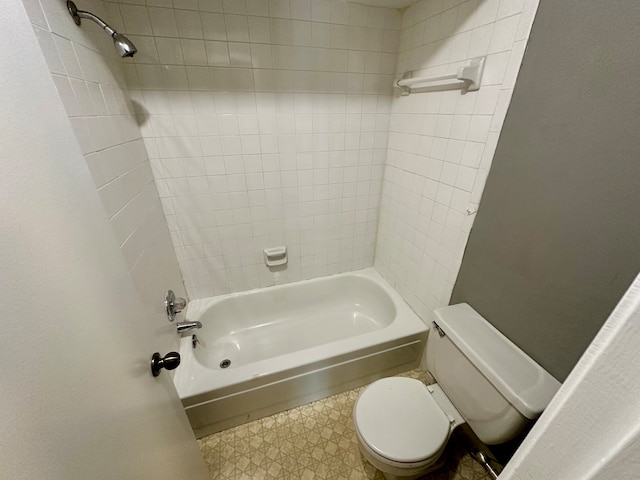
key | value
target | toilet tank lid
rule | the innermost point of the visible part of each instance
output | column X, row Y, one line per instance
column 524, row 383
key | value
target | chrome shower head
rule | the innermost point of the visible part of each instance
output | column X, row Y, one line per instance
column 123, row 45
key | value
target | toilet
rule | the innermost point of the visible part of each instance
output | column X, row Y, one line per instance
column 483, row 380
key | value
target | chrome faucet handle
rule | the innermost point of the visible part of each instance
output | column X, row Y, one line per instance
column 173, row 305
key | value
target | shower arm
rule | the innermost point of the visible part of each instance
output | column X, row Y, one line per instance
column 78, row 14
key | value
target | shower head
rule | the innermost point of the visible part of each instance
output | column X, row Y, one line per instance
column 123, row 45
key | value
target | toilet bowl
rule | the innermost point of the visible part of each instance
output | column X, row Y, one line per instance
column 483, row 379
column 403, row 426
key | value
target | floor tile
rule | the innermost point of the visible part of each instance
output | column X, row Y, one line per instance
column 316, row 441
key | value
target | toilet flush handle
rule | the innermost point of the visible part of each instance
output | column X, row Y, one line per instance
column 440, row 331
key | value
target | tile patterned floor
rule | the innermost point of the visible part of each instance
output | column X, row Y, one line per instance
column 314, row 441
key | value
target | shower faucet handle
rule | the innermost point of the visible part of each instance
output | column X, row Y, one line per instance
column 173, row 305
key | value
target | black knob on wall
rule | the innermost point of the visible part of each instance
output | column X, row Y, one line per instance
column 170, row 361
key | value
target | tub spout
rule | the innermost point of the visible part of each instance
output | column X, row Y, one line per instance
column 186, row 326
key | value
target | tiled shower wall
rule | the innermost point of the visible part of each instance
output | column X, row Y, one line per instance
column 90, row 81
column 266, row 123
column 441, row 143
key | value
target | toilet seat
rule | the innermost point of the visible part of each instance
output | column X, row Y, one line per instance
column 399, row 421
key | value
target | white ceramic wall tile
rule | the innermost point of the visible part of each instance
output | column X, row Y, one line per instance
column 266, row 123
column 441, row 143
column 273, row 122
column 90, row 80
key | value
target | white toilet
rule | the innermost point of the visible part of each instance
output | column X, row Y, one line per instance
column 484, row 380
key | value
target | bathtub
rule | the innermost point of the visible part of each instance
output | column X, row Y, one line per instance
column 268, row 350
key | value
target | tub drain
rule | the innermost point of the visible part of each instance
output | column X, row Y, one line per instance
column 225, row 363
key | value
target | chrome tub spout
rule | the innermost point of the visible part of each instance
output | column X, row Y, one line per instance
column 183, row 327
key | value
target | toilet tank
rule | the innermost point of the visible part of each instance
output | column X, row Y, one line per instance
column 495, row 386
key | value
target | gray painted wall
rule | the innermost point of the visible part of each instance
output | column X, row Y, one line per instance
column 557, row 238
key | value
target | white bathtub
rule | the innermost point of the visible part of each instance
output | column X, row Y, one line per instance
column 292, row 344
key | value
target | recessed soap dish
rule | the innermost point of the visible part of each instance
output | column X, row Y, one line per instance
column 275, row 256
